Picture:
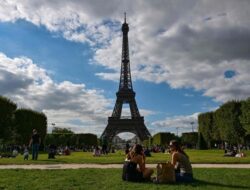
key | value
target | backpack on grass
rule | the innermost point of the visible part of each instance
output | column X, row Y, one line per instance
column 130, row 172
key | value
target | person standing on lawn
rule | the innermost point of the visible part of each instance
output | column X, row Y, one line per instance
column 35, row 142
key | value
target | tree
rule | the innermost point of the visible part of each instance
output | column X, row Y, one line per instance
column 148, row 142
column 163, row 138
column 228, row 123
column 190, row 139
column 87, row 139
column 63, row 139
column 245, row 117
column 206, row 125
column 50, row 139
column 6, row 118
column 58, row 130
column 26, row 120
column 202, row 145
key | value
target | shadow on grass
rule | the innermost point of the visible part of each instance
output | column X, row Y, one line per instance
column 199, row 183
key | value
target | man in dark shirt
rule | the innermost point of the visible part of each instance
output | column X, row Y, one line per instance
column 35, row 142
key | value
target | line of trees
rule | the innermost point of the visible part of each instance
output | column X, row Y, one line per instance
column 162, row 139
column 189, row 139
column 16, row 127
column 66, row 137
column 71, row 139
column 230, row 123
column 16, row 124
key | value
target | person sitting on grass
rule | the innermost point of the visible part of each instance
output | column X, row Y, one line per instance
column 147, row 152
column 130, row 170
column 231, row 152
column 66, row 151
column 97, row 151
column 52, row 151
column 180, row 161
column 14, row 153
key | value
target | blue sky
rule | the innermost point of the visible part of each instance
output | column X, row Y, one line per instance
column 66, row 61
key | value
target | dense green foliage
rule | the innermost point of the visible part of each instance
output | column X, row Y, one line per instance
column 229, row 123
column 58, row 130
column 206, row 125
column 70, row 139
column 26, row 120
column 201, row 144
column 16, row 124
column 245, row 117
column 190, row 139
column 110, row 179
column 148, row 142
column 7, row 107
column 163, row 138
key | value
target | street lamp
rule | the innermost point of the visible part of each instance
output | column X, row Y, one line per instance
column 177, row 128
column 53, row 125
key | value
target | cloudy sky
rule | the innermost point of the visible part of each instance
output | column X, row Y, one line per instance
column 63, row 58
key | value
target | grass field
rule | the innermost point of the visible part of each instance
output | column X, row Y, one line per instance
column 92, row 179
column 196, row 156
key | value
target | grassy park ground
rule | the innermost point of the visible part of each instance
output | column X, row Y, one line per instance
column 205, row 178
column 111, row 179
column 196, row 156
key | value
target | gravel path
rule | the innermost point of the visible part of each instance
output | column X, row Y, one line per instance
column 106, row 166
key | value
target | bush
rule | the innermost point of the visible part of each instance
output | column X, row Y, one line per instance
column 25, row 121
column 6, row 118
column 163, row 138
column 190, row 139
column 71, row 139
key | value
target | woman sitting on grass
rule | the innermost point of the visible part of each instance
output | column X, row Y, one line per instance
column 180, row 160
column 130, row 171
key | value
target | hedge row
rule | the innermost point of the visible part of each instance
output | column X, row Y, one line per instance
column 229, row 123
column 70, row 139
column 16, row 124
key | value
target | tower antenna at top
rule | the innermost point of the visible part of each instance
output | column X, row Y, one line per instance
column 124, row 17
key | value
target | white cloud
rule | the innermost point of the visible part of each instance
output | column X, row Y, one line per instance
column 188, row 95
column 184, row 123
column 187, row 44
column 31, row 87
column 189, row 52
column 143, row 112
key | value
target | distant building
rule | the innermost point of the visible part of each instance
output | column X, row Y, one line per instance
column 134, row 140
column 118, row 142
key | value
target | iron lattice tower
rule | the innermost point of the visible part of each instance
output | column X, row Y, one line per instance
column 125, row 95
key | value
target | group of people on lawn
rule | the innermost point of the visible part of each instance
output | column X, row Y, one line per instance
column 135, row 169
column 135, row 164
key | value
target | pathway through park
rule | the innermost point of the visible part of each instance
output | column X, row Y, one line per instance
column 107, row 166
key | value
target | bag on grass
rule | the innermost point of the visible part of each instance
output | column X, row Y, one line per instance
column 130, row 173
column 165, row 173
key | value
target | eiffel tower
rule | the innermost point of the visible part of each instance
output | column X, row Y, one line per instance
column 125, row 95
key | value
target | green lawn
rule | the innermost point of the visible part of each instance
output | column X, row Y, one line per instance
column 196, row 156
column 92, row 179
